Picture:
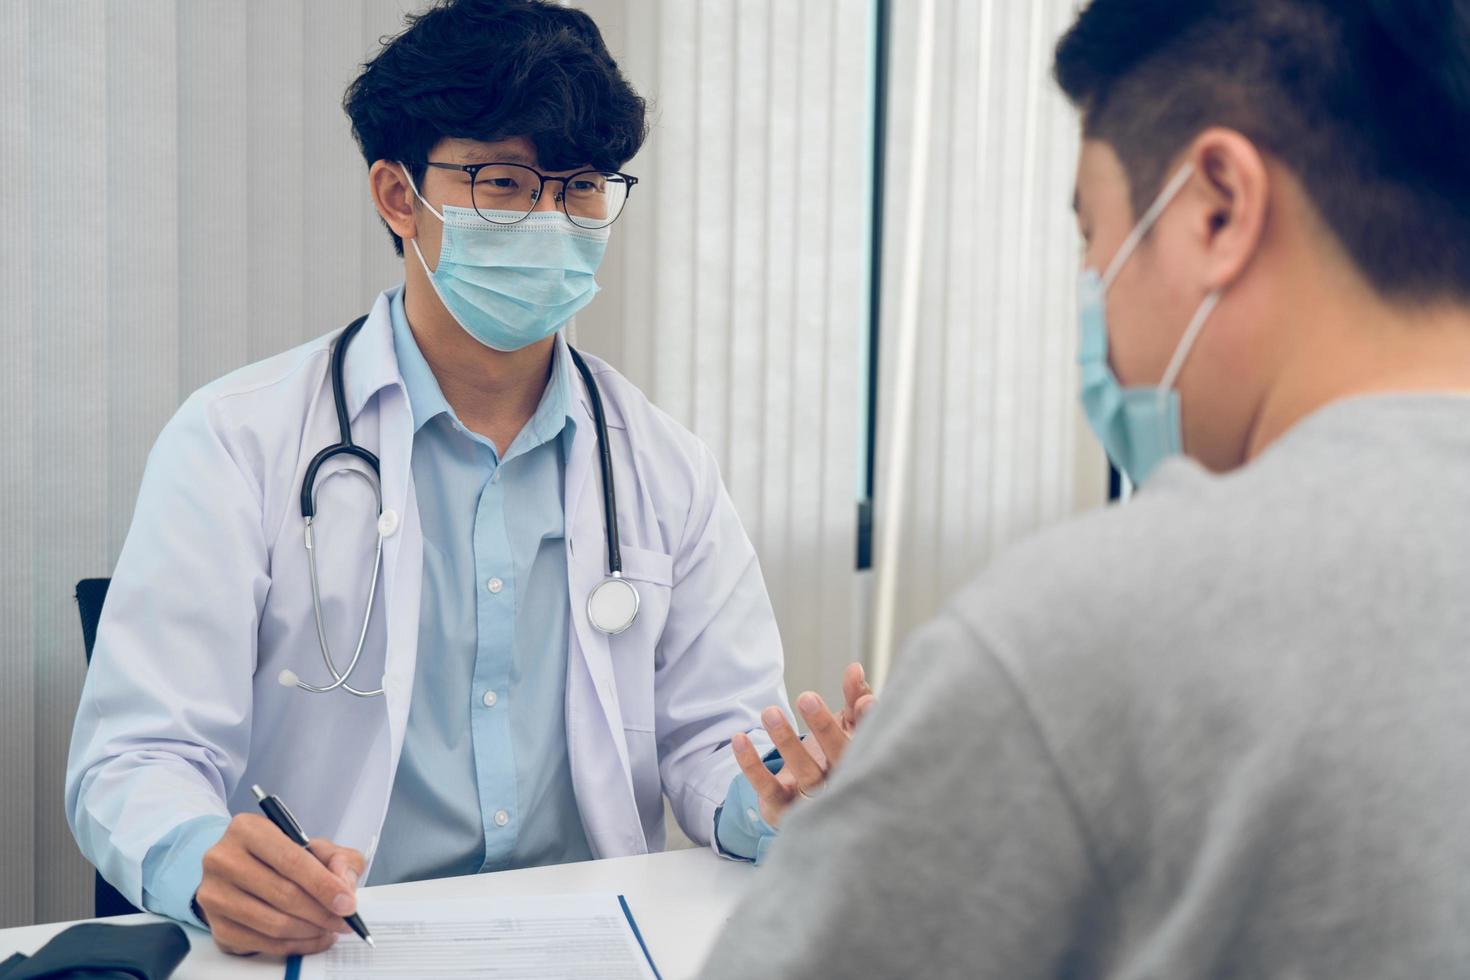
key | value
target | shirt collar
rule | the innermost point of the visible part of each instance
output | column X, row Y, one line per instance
column 426, row 398
column 371, row 364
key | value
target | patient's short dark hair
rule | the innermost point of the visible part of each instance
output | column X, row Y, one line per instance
column 495, row 69
column 1366, row 101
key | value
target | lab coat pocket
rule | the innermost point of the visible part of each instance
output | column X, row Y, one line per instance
column 654, row 567
column 652, row 574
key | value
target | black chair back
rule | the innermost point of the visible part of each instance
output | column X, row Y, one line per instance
column 91, row 594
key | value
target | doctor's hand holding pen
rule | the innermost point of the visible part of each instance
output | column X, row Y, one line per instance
column 806, row 762
column 263, row 893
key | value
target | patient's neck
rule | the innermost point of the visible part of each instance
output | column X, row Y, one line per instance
column 1366, row 347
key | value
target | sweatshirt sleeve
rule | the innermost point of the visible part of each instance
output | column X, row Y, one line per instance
column 947, row 843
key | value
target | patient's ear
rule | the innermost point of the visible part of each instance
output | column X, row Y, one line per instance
column 1229, row 199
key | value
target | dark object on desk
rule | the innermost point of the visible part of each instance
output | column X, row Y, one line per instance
column 91, row 593
column 93, row 951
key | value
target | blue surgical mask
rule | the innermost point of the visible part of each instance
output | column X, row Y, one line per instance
column 1139, row 426
column 510, row 285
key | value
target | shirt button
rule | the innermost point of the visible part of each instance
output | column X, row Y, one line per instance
column 752, row 815
column 501, row 818
column 490, row 699
column 388, row 523
column 495, row 585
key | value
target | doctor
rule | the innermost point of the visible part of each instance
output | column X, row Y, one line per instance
column 509, row 613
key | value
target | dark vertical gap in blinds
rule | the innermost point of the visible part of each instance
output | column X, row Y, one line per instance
column 879, row 95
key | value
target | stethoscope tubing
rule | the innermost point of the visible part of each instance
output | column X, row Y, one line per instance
column 604, row 459
column 340, row 680
column 346, row 447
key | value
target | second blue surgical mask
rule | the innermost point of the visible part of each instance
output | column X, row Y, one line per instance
column 510, row 285
column 1139, row 426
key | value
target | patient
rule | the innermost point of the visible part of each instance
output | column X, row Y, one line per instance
column 1221, row 731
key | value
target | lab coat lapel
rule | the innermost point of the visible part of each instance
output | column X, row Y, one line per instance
column 403, row 555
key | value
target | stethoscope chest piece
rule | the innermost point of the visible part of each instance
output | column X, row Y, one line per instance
column 613, row 605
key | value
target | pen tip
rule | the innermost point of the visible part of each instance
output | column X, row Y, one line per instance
column 259, row 793
column 370, row 942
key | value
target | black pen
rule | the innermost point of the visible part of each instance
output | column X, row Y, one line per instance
column 286, row 823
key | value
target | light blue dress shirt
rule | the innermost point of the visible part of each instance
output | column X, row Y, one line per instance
column 740, row 830
column 484, row 782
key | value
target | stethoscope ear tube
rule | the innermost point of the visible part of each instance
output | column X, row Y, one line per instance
column 308, row 482
column 340, row 680
column 344, row 447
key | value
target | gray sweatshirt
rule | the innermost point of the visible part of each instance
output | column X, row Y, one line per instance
column 1222, row 731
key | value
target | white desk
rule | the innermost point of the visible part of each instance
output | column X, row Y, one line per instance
column 681, row 900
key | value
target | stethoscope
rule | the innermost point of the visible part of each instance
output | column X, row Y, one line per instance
column 611, row 608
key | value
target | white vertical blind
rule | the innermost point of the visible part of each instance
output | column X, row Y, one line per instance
column 68, row 296
column 183, row 196
column 188, row 199
column 736, row 290
column 996, row 444
column 19, row 519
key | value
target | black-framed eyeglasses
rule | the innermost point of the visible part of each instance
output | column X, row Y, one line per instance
column 505, row 193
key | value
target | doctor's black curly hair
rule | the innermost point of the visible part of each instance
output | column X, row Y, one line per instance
column 495, row 69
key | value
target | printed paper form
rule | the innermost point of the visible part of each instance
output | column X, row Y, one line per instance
column 564, row 937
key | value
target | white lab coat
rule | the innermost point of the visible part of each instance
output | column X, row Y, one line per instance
column 211, row 599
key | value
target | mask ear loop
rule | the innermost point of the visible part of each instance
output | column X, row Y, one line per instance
column 1186, row 343
column 1181, row 353
column 415, row 188
column 1146, row 223
column 414, row 241
column 1125, row 252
